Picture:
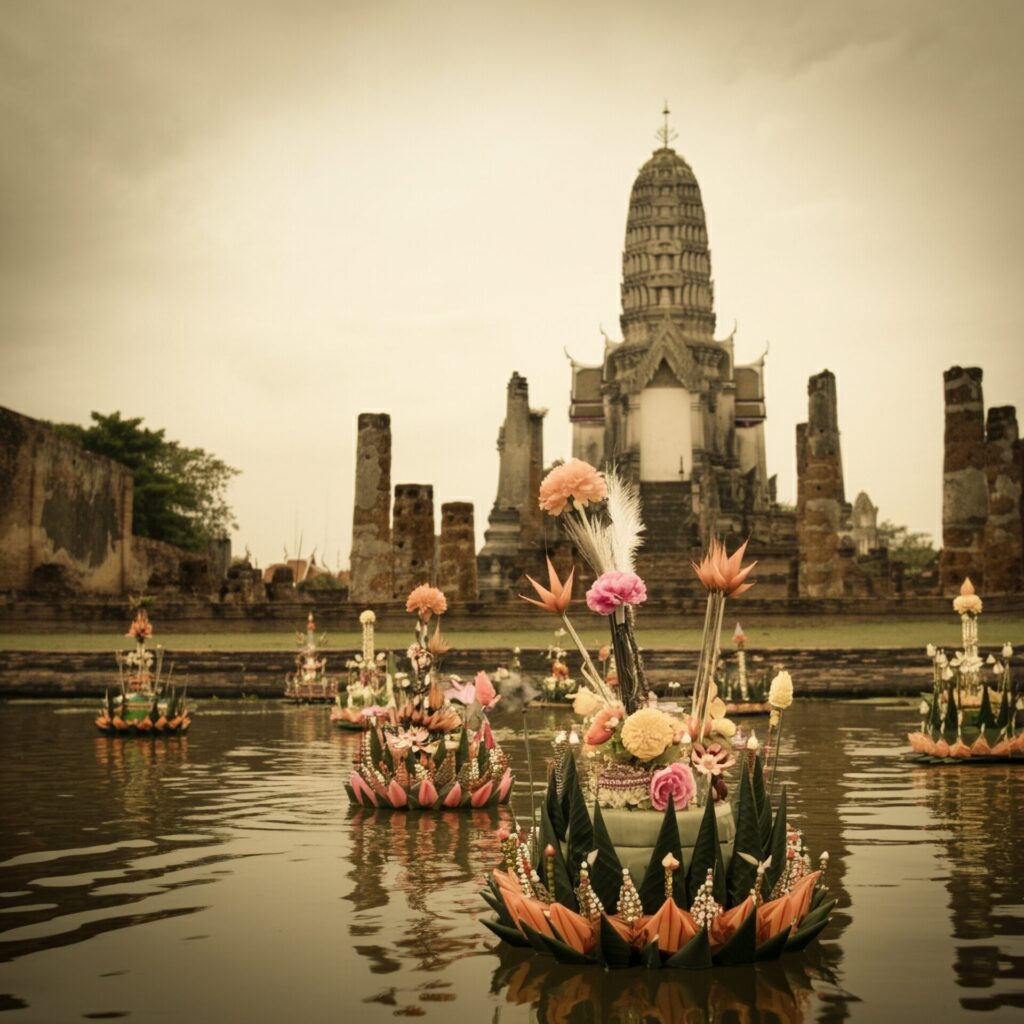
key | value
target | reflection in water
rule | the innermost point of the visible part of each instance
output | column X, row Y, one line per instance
column 779, row 991
column 231, row 863
column 985, row 883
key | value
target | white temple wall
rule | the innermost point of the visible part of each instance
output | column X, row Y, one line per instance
column 666, row 434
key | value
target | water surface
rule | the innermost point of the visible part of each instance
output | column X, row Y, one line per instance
column 223, row 877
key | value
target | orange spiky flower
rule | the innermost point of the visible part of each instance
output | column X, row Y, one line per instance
column 719, row 570
column 558, row 598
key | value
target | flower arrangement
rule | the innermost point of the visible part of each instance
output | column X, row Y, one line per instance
column 310, row 683
column 432, row 748
column 973, row 711
column 639, row 857
column 146, row 703
column 744, row 692
column 370, row 685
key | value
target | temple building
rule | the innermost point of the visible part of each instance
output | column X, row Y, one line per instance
column 667, row 405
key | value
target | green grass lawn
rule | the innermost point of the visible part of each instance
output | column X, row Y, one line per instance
column 804, row 632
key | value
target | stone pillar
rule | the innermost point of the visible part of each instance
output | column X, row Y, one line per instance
column 370, row 578
column 964, row 485
column 456, row 569
column 820, row 491
column 413, row 538
column 1003, row 542
column 515, row 521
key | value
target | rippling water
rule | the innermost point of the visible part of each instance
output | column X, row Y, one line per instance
column 222, row 877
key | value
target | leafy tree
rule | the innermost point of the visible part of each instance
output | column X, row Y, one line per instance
column 179, row 494
column 915, row 550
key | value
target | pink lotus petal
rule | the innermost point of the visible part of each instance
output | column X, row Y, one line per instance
column 484, row 689
column 505, row 786
column 487, row 735
column 426, row 795
column 359, row 787
column 397, row 795
column 482, row 795
column 454, row 796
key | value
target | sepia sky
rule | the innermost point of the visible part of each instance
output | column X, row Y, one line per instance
column 249, row 221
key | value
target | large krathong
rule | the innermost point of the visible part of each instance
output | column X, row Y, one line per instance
column 638, row 857
column 564, row 891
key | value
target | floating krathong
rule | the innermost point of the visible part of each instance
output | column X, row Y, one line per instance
column 744, row 692
column 310, row 683
column 567, row 889
column 370, row 686
column 974, row 711
column 433, row 750
column 146, row 704
column 639, row 857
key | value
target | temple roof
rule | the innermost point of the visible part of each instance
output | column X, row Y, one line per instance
column 666, row 265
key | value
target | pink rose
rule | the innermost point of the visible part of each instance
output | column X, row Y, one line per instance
column 675, row 781
column 614, row 588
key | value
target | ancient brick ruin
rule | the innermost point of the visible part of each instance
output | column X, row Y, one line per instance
column 394, row 546
column 982, row 474
column 65, row 513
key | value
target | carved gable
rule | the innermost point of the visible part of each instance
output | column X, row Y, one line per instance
column 670, row 351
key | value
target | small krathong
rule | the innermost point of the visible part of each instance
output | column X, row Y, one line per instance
column 146, row 703
column 744, row 692
column 973, row 713
column 310, row 682
column 434, row 749
column 370, row 686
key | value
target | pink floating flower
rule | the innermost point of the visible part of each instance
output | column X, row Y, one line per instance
column 484, row 690
column 573, row 479
column 675, row 781
column 612, row 589
column 464, row 693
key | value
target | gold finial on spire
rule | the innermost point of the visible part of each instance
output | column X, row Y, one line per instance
column 664, row 133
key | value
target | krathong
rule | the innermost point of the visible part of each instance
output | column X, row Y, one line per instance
column 701, row 900
column 146, row 703
column 370, row 689
column 433, row 748
column 974, row 711
column 310, row 683
column 639, row 857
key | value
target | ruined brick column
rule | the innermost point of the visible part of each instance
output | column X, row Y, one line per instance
column 456, row 570
column 964, row 485
column 820, row 491
column 371, row 511
column 1004, row 542
column 413, row 537
column 515, row 518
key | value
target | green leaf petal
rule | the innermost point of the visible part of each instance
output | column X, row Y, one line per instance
column 742, row 947
column 606, row 872
column 581, row 831
column 614, row 950
column 563, row 885
column 771, row 949
column 510, row 935
column 649, row 956
column 706, row 854
column 740, row 878
column 652, row 889
column 695, row 955
column 777, row 845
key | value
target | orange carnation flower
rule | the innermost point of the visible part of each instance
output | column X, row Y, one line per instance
column 574, row 479
column 425, row 601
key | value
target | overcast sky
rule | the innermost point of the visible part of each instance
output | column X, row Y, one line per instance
column 249, row 221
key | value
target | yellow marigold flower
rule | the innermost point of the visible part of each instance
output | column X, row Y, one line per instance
column 647, row 733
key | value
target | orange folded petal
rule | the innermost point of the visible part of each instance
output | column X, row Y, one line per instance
column 728, row 922
column 575, row 929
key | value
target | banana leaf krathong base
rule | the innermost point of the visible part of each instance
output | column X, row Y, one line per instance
column 990, row 737
column 471, row 773
column 559, row 901
column 139, row 714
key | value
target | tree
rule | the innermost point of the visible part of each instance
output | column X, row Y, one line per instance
column 914, row 550
column 179, row 494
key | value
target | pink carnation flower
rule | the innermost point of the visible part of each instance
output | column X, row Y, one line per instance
column 675, row 781
column 614, row 588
